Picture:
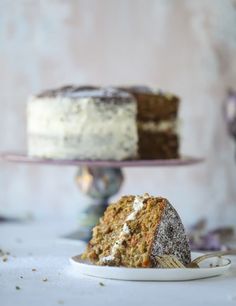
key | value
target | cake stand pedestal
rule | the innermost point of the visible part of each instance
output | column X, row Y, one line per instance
column 99, row 180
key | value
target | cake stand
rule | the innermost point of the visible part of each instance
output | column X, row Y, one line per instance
column 99, row 180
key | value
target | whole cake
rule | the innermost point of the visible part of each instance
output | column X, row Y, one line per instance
column 135, row 230
column 82, row 123
column 103, row 123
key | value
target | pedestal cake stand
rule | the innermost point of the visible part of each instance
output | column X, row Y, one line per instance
column 99, row 180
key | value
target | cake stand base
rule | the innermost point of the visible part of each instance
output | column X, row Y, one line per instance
column 99, row 184
column 98, row 179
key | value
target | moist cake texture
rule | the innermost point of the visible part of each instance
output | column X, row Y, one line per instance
column 157, row 123
column 135, row 230
column 82, row 123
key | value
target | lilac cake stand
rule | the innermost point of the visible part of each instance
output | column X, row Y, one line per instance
column 99, row 180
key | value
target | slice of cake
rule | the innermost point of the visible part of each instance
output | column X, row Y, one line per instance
column 157, row 123
column 82, row 123
column 135, row 230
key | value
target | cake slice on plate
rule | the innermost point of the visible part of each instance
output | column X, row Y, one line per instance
column 135, row 230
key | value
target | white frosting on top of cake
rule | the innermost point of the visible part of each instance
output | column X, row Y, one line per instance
column 84, row 92
column 137, row 206
column 98, row 93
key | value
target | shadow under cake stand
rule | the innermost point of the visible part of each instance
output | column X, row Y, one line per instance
column 99, row 180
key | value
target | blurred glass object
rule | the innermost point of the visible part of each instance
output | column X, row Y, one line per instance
column 202, row 239
column 230, row 113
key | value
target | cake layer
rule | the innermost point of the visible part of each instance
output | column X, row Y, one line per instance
column 158, row 140
column 135, row 230
column 72, row 123
column 157, row 106
column 158, row 145
column 154, row 105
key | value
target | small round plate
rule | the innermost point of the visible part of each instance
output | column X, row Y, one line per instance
column 208, row 268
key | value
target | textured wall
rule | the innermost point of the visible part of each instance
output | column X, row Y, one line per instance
column 187, row 47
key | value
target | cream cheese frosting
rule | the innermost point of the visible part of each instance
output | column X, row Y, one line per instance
column 137, row 206
column 161, row 126
column 92, row 124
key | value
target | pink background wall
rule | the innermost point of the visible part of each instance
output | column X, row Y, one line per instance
column 187, row 47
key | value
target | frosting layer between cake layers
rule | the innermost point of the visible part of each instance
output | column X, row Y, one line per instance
column 82, row 124
column 137, row 206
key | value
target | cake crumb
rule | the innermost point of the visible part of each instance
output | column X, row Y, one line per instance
column 4, row 259
column 17, row 288
column 101, row 284
column 45, row 279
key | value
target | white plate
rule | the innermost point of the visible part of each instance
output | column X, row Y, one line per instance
column 219, row 266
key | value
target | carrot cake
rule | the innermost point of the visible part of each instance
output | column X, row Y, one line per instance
column 87, row 122
column 135, row 230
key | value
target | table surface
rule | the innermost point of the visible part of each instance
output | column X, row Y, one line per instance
column 36, row 245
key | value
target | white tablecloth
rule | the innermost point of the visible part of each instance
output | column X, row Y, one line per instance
column 36, row 245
